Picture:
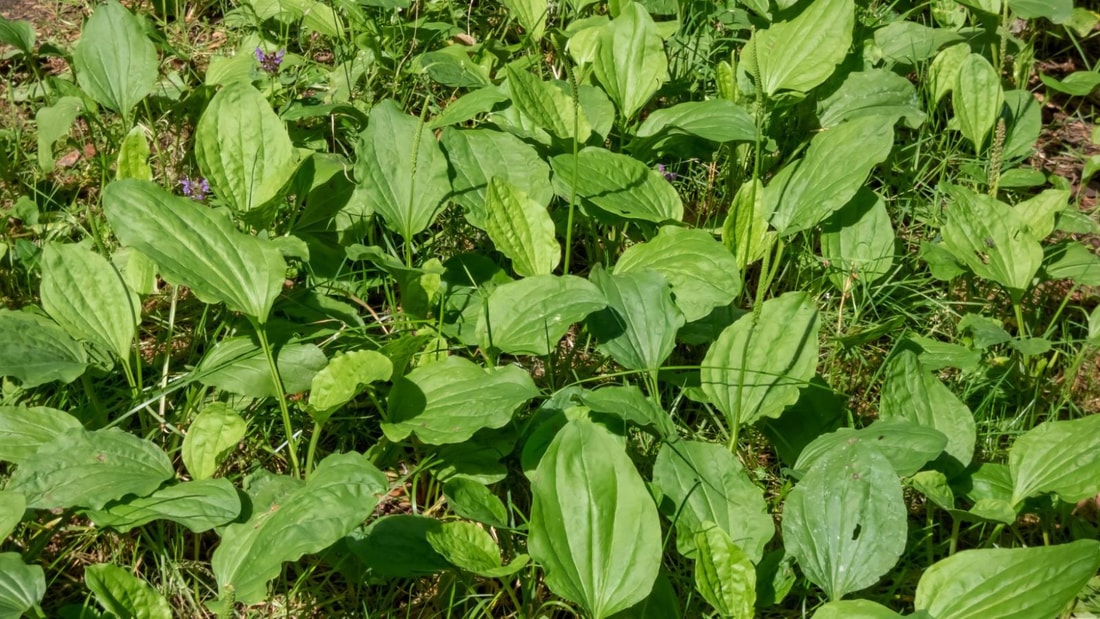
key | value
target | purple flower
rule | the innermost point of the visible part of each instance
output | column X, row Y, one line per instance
column 669, row 176
column 270, row 62
column 196, row 189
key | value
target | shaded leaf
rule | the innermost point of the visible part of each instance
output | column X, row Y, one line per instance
column 638, row 326
column 125, row 595
column 469, row 547
column 724, row 575
column 25, row 429
column 907, row 445
column 21, row 585
column 198, row 505
column 35, row 350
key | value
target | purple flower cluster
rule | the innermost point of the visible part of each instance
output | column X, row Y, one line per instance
column 270, row 62
column 196, row 189
column 669, row 176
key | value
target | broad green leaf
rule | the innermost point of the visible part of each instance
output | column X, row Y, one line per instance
column 1057, row 11
column 717, row 120
column 907, row 445
column 35, row 350
column 21, row 585
column 133, row 156
column 470, row 547
column 468, row 107
column 474, row 501
column 594, row 528
column 452, row 66
column 19, row 34
column 1078, row 83
column 703, row 274
column 12, row 507
column 704, row 485
column 977, row 99
column 339, row 495
column 989, row 237
column 724, row 575
column 943, row 73
column 401, row 170
column 197, row 247
column 802, row 52
column 1071, row 260
column 23, row 430
column 914, row 393
column 834, row 168
column 243, row 147
column 756, row 370
column 82, row 468
column 198, row 505
column 477, row 155
column 397, row 547
column 855, row 609
column 54, row 122
column 1039, row 213
column 115, row 62
column 1007, row 583
column 876, row 92
column 845, row 521
column 617, row 184
column 215, row 430
column 910, row 43
column 237, row 365
column 531, row 14
column 344, row 378
column 529, row 316
column 448, row 401
column 138, row 271
column 638, row 326
column 521, row 229
column 630, row 60
column 125, row 595
column 84, row 293
column 629, row 404
column 547, row 106
column 1059, row 457
column 858, row 241
column 1024, row 117
column 745, row 230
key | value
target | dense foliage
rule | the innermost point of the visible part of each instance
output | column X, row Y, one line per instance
column 633, row 309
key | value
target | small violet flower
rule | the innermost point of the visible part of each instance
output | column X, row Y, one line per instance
column 270, row 62
column 196, row 189
column 669, row 176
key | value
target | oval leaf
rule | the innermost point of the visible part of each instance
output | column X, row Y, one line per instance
column 125, row 595
column 1007, row 583
column 977, row 99
column 528, row 317
column 437, row 403
column 196, row 247
column 21, row 585
column 25, row 429
column 594, row 528
column 1059, row 457
column 801, row 53
column 115, row 62
column 35, row 350
column 339, row 495
column 521, row 229
column 216, row 430
column 638, row 326
column 724, row 575
column 84, row 293
column 243, row 147
column 630, row 60
column 845, row 521
column 89, row 469
column 343, row 378
column 618, row 184
column 198, row 505
column 756, row 370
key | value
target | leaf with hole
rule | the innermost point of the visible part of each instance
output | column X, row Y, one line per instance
column 907, row 445
column 197, row 247
column 340, row 494
column 594, row 528
column 845, row 521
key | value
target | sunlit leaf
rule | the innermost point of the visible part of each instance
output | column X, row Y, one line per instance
column 343, row 378
column 198, row 505
column 618, row 184
column 1060, row 457
column 115, row 62
column 120, row 592
column 217, row 429
column 977, row 99
column 802, row 52
column 638, row 326
column 724, row 575
column 521, row 229
column 25, row 429
column 630, row 60
column 530, row 316
column 21, row 585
